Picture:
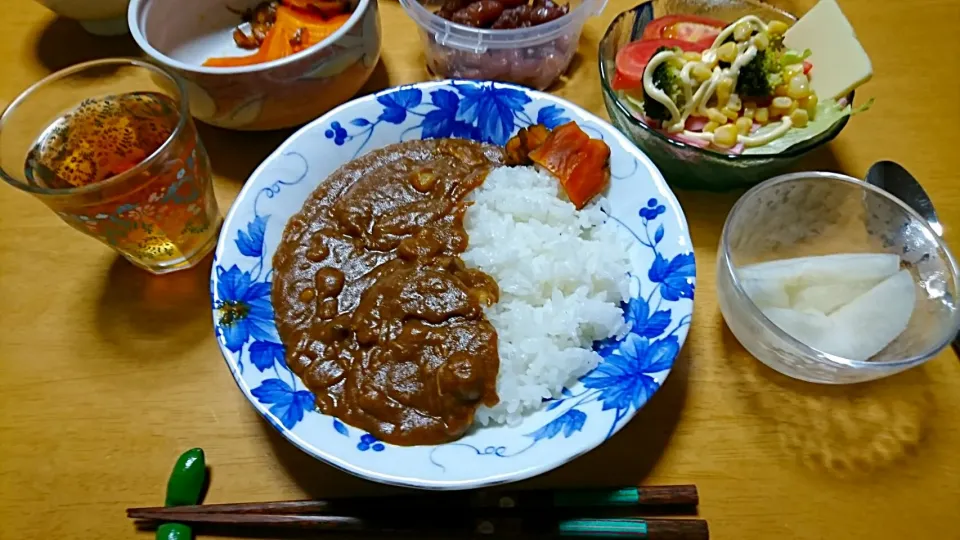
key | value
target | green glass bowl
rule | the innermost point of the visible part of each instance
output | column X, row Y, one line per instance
column 684, row 165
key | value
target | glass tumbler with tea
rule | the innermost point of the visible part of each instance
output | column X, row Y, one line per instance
column 109, row 146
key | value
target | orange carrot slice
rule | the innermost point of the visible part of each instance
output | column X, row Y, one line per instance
column 326, row 8
column 293, row 31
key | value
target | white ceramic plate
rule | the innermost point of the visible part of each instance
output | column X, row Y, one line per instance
column 588, row 413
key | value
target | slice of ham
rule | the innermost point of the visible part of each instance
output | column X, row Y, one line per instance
column 692, row 141
column 695, row 123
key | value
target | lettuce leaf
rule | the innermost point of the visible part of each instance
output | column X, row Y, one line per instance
column 828, row 113
column 791, row 56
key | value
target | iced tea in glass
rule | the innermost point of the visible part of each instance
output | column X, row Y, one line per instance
column 110, row 147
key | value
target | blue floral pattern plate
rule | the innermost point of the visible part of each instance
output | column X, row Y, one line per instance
column 588, row 412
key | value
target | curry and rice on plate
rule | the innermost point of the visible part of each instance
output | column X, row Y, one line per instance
column 432, row 285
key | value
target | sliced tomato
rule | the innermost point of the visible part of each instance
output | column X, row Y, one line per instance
column 692, row 28
column 633, row 58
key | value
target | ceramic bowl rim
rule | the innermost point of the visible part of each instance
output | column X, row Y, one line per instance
column 339, row 462
column 137, row 11
column 808, row 351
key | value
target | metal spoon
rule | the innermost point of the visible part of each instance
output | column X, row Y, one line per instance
column 897, row 181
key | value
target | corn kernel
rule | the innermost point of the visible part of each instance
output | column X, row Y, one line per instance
column 725, row 136
column 780, row 90
column 799, row 118
column 762, row 116
column 727, row 52
column 798, row 87
column 781, row 102
column 742, row 31
column 749, row 109
column 700, row 72
column 730, row 114
column 761, row 41
column 810, row 105
column 722, row 97
column 716, row 116
column 709, row 58
column 776, row 28
column 744, row 125
column 710, row 127
column 691, row 56
column 734, row 103
column 724, row 88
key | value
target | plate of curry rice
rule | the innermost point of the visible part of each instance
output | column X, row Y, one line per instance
column 452, row 285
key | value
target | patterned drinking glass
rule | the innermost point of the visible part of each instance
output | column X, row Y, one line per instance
column 109, row 146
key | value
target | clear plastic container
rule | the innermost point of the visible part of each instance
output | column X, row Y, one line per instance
column 533, row 56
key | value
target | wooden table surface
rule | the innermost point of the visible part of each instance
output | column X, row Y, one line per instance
column 107, row 374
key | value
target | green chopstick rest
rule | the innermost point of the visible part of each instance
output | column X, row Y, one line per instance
column 184, row 488
column 186, row 480
column 174, row 531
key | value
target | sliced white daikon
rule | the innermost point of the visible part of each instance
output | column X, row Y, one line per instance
column 859, row 329
column 830, row 297
column 870, row 322
column 766, row 293
column 824, row 269
column 809, row 327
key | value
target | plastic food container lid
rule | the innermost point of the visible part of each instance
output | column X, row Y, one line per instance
column 480, row 40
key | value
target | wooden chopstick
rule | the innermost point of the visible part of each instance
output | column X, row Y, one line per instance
column 540, row 527
column 650, row 496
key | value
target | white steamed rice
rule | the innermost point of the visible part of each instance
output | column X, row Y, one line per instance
column 562, row 274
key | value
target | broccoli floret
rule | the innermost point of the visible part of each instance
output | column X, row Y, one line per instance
column 761, row 75
column 666, row 77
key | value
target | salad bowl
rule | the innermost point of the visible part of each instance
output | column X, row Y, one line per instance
column 584, row 416
column 685, row 165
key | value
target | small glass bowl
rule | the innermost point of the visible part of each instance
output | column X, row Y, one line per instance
column 532, row 57
column 684, row 165
column 819, row 213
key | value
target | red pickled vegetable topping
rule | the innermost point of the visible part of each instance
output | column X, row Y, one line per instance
column 288, row 28
column 579, row 162
column 528, row 139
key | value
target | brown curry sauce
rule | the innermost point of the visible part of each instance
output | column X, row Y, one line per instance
column 380, row 317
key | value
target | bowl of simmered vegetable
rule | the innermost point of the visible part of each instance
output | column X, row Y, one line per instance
column 261, row 64
column 725, row 94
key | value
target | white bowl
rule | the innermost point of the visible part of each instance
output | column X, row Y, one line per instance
column 588, row 413
column 181, row 34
